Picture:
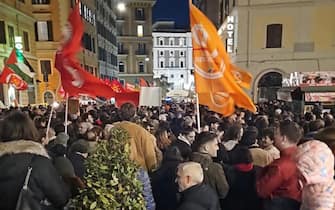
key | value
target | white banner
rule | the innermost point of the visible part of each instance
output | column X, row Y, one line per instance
column 150, row 96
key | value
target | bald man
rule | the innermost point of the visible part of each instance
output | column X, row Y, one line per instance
column 194, row 194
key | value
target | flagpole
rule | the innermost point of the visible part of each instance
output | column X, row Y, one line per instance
column 49, row 122
column 66, row 111
column 198, row 112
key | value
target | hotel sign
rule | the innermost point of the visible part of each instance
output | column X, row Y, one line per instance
column 230, row 32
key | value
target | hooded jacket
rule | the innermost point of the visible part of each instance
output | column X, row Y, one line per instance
column 45, row 183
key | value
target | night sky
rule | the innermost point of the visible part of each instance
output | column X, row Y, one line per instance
column 172, row 10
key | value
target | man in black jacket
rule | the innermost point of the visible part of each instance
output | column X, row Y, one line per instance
column 194, row 194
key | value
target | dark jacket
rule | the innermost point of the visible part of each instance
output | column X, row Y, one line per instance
column 242, row 193
column 78, row 162
column 184, row 148
column 199, row 197
column 15, row 157
column 164, row 187
column 214, row 174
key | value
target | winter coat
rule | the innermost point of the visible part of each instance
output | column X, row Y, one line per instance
column 199, row 197
column 214, row 174
column 242, row 181
column 142, row 145
column 78, row 162
column 280, row 179
column 315, row 162
column 45, row 183
column 164, row 186
column 184, row 148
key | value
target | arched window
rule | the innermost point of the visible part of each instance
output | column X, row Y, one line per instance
column 161, row 64
column 181, row 64
column 161, row 42
column 274, row 35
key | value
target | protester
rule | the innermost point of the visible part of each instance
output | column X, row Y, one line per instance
column 194, row 194
column 184, row 142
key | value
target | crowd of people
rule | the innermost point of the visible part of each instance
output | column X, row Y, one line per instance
column 272, row 159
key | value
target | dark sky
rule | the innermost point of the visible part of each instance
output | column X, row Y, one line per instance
column 176, row 10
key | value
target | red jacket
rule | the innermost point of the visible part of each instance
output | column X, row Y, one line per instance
column 280, row 178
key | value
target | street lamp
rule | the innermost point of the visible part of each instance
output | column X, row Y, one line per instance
column 121, row 7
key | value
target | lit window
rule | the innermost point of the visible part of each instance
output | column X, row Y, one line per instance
column 140, row 30
column 44, row 31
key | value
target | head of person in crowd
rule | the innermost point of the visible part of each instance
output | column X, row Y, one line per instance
column 86, row 117
column 234, row 132
column 40, row 122
column 127, row 111
column 83, row 127
column 327, row 135
column 213, row 123
column 261, row 123
column 97, row 132
column 188, row 122
column 172, row 153
column 80, row 147
column 288, row 134
column 45, row 137
column 241, row 155
column 162, row 138
column 18, row 126
column 187, row 134
column 316, row 125
column 189, row 174
column 59, row 128
column 329, row 120
column 315, row 162
column 249, row 137
column 232, row 118
column 267, row 137
column 207, row 143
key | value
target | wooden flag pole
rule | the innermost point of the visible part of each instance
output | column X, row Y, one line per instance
column 198, row 113
column 66, row 111
column 49, row 122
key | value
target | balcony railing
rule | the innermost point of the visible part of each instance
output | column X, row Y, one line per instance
column 141, row 52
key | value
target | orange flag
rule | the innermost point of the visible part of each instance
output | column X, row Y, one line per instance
column 214, row 79
column 242, row 77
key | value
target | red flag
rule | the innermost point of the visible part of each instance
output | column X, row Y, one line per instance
column 117, row 86
column 76, row 80
column 9, row 77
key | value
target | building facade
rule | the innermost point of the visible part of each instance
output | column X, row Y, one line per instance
column 17, row 20
column 134, row 28
column 172, row 57
column 273, row 38
column 106, row 36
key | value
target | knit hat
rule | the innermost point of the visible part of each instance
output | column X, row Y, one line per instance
column 62, row 139
column 80, row 146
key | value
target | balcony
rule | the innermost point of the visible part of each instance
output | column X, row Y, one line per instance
column 141, row 52
column 139, row 18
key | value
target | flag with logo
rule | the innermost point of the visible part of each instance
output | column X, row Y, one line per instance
column 215, row 83
column 13, row 72
column 75, row 80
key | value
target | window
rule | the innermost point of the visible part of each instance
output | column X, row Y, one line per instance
column 40, row 1
column 181, row 64
column 161, row 53
column 171, row 53
column 26, row 41
column 2, row 32
column 45, row 69
column 171, row 75
column 181, row 76
column 141, row 49
column 181, row 53
column 122, row 82
column 140, row 30
column 171, row 64
column 120, row 48
column 161, row 42
column 274, row 36
column 44, row 31
column 162, row 64
column 139, row 14
column 181, row 41
column 171, row 41
column 121, row 66
column 141, row 67
column 11, row 36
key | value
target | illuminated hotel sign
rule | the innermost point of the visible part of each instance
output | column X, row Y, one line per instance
column 230, row 32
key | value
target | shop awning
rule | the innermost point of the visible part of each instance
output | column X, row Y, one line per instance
column 318, row 89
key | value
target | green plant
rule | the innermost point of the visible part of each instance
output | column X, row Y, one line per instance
column 111, row 177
